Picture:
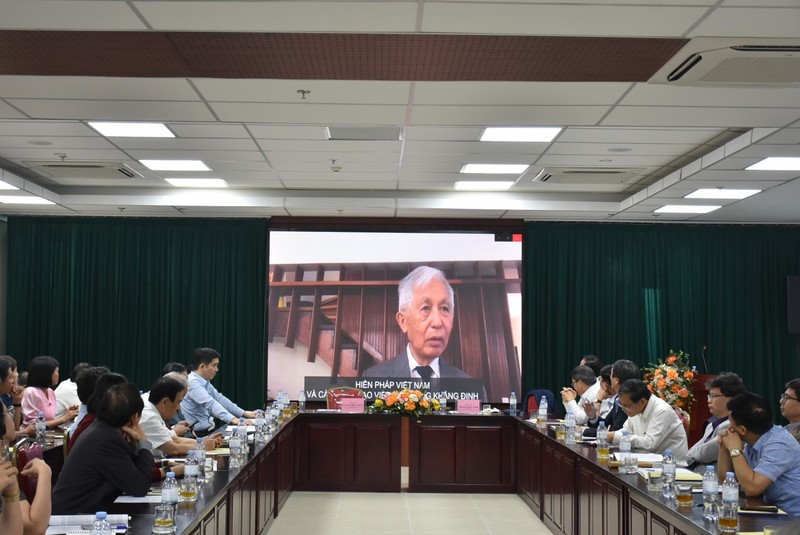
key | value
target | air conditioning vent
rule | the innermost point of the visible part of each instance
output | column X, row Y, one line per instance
column 707, row 61
column 590, row 175
column 82, row 170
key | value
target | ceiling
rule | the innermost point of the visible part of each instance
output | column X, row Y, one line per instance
column 250, row 87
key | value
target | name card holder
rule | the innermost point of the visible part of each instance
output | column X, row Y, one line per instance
column 352, row 405
column 468, row 406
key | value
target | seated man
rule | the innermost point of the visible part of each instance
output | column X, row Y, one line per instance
column 111, row 458
column 164, row 401
column 203, row 402
column 67, row 390
column 770, row 465
column 652, row 423
column 621, row 371
column 585, row 385
column 790, row 407
column 85, row 382
column 720, row 390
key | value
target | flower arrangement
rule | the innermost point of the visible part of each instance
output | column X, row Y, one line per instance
column 411, row 402
column 672, row 380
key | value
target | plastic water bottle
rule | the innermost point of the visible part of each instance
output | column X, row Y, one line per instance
column 668, row 470
column 235, row 445
column 624, row 446
column 243, row 437
column 188, row 486
column 602, row 441
column 569, row 423
column 41, row 429
column 512, row 404
column 261, row 428
column 200, row 455
column 542, row 416
column 710, row 489
column 169, row 490
column 100, row 525
column 729, row 514
column 301, row 401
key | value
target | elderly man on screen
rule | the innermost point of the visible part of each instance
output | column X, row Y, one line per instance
column 425, row 315
column 652, row 423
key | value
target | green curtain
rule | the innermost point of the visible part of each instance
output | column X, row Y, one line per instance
column 636, row 291
column 134, row 294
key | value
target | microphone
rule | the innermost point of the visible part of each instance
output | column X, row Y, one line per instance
column 705, row 364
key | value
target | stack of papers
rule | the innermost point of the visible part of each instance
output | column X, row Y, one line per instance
column 651, row 459
column 681, row 474
column 250, row 428
column 60, row 524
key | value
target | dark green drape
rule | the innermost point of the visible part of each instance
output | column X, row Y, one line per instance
column 636, row 291
column 134, row 294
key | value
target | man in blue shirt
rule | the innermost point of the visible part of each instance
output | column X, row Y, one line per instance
column 770, row 463
column 203, row 402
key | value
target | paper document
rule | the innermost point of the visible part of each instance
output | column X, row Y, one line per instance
column 642, row 457
column 250, row 428
column 80, row 524
column 681, row 474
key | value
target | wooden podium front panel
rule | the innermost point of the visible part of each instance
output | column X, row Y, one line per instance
column 487, row 453
column 376, row 457
column 433, row 454
column 462, row 454
column 341, row 452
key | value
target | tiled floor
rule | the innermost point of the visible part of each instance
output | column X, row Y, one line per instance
column 356, row 513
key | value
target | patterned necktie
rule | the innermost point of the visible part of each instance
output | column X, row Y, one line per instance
column 424, row 371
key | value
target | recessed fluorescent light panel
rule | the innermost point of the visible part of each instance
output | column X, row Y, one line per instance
column 521, row 135
column 197, row 182
column 132, row 129
column 493, row 169
column 776, row 164
column 721, row 193
column 7, row 186
column 175, row 165
column 8, row 199
column 483, row 185
column 686, row 209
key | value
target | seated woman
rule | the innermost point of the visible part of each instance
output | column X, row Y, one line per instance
column 18, row 516
column 11, row 397
column 39, row 395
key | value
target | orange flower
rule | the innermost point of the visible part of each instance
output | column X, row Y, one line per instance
column 679, row 403
column 658, row 372
column 662, row 384
column 683, row 393
column 671, row 359
column 410, row 405
column 424, row 403
column 417, row 393
column 688, row 374
column 391, row 399
column 675, row 388
column 672, row 373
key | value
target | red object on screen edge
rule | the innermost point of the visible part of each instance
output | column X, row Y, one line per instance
column 516, row 237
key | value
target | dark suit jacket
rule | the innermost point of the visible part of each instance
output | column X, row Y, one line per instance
column 101, row 467
column 613, row 420
column 397, row 368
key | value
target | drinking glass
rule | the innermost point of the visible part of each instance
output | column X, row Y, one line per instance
column 631, row 465
column 187, row 491
column 294, row 408
column 655, row 481
column 561, row 433
column 683, row 495
column 165, row 521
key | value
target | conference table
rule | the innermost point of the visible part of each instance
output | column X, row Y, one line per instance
column 566, row 486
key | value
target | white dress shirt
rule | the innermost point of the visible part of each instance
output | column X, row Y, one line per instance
column 657, row 429
column 590, row 396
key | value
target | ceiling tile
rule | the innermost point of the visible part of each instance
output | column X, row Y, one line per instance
column 700, row 116
column 69, row 15
column 93, row 87
column 113, row 110
column 506, row 115
column 517, row 93
column 749, row 22
column 320, row 91
column 320, row 114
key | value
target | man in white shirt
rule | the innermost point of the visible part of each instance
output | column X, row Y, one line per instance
column 162, row 404
column 652, row 423
column 67, row 390
column 585, row 385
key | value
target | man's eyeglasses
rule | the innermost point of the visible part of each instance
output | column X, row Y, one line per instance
column 712, row 397
column 784, row 397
